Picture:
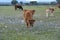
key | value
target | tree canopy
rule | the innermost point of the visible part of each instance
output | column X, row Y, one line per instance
column 14, row 2
column 58, row 1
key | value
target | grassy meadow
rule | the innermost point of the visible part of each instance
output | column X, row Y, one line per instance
column 12, row 27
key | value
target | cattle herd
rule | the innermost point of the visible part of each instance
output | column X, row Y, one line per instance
column 28, row 14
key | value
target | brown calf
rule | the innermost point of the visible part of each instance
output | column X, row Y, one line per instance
column 28, row 17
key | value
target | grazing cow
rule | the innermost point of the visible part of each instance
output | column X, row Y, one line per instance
column 49, row 10
column 28, row 17
column 18, row 6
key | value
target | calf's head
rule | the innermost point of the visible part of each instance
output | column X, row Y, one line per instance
column 31, row 22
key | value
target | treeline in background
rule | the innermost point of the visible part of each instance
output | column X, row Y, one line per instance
column 13, row 2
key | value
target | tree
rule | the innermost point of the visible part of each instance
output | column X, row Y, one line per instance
column 21, row 2
column 58, row 1
column 33, row 2
column 14, row 2
column 53, row 3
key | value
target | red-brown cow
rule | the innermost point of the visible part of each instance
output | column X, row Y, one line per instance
column 28, row 17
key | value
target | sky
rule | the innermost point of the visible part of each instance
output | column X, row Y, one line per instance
column 28, row 0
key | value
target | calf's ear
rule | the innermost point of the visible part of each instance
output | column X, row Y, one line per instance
column 33, row 10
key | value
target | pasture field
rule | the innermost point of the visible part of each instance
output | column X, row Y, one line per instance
column 11, row 27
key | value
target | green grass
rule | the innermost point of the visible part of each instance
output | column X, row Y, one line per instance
column 44, row 30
